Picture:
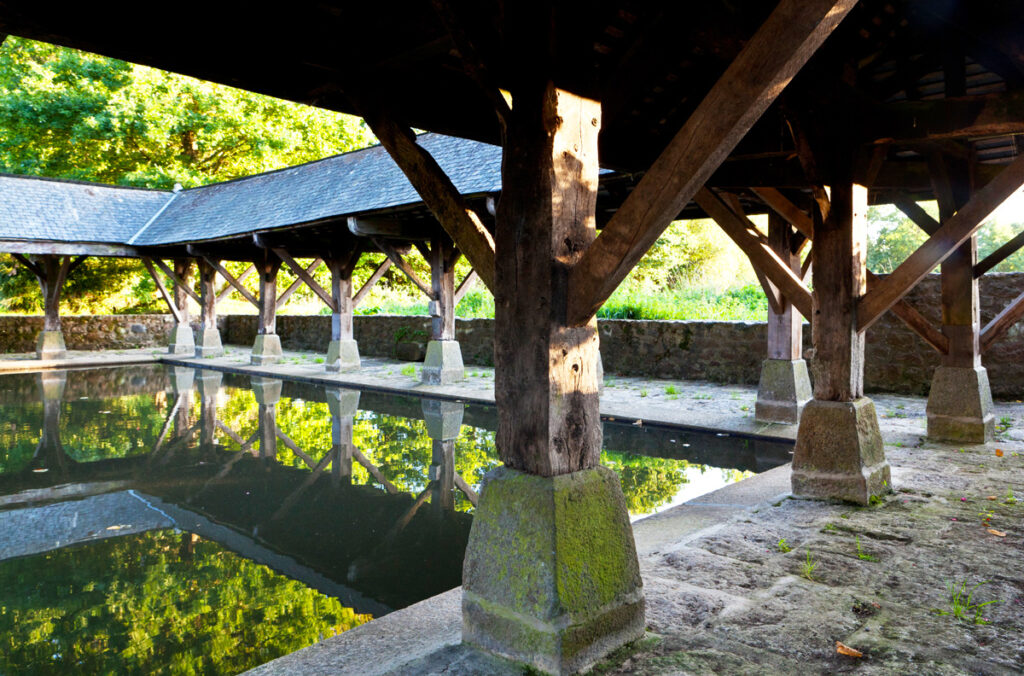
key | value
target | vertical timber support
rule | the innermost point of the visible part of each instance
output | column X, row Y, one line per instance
column 267, row 347
column 209, row 335
column 343, row 404
column 443, row 363
column 343, row 351
column 181, row 340
column 268, row 393
column 839, row 452
column 551, row 575
column 51, row 271
column 960, row 399
column 785, row 387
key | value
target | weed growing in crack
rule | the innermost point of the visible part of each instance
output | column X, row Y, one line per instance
column 809, row 566
column 862, row 555
column 783, row 547
column 962, row 606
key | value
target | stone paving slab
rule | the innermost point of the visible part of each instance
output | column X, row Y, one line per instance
column 21, row 362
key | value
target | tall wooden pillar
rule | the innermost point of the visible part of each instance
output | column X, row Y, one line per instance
column 343, row 351
column 960, row 399
column 51, row 272
column 267, row 347
column 209, row 337
column 443, row 363
column 785, row 387
column 182, row 340
column 839, row 452
column 538, row 515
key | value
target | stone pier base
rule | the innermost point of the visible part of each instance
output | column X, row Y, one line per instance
column 266, row 390
column 960, row 406
column 784, row 390
column 443, row 363
column 342, row 355
column 839, row 452
column 266, row 349
column 50, row 345
column 181, row 340
column 209, row 344
column 551, row 576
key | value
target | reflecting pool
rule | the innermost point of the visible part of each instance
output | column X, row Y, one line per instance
column 157, row 519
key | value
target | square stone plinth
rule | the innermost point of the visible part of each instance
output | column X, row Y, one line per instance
column 784, row 390
column 960, row 406
column 209, row 344
column 443, row 363
column 551, row 576
column 181, row 340
column 266, row 349
column 50, row 345
column 342, row 355
column 839, row 452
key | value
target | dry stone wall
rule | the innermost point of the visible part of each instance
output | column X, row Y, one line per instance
column 896, row 360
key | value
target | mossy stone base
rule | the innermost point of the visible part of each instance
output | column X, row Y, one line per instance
column 960, row 406
column 50, row 345
column 342, row 355
column 784, row 390
column 839, row 452
column 266, row 349
column 443, row 363
column 209, row 344
column 551, row 576
column 181, row 340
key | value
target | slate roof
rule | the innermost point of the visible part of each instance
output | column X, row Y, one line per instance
column 353, row 183
column 67, row 211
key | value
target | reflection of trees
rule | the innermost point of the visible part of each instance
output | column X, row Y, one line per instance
column 151, row 603
column 647, row 483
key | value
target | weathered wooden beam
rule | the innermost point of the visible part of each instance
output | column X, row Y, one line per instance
column 779, row 48
column 915, row 321
column 758, row 251
column 952, row 233
column 465, row 285
column 29, row 265
column 177, row 280
column 230, row 279
column 442, row 285
column 775, row 299
column 294, row 286
column 999, row 255
column 229, row 287
column 915, row 213
column 399, row 262
column 306, row 277
column 1002, row 322
column 365, row 289
column 175, row 312
column 390, row 228
column 438, row 192
column 44, row 247
column 781, row 205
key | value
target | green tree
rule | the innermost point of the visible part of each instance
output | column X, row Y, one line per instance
column 73, row 115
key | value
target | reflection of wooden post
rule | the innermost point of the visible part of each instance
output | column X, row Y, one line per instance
column 343, row 405
column 444, row 422
column 785, row 387
column 267, row 348
column 268, row 393
column 209, row 389
column 50, row 451
column 443, row 363
column 209, row 338
column 182, row 382
column 839, row 452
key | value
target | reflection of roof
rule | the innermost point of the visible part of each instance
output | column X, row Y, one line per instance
column 352, row 183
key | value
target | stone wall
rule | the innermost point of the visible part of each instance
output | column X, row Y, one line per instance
column 87, row 332
column 896, row 361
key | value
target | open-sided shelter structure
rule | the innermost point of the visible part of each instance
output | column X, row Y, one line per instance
column 809, row 107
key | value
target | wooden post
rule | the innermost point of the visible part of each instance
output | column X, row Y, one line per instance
column 51, row 270
column 343, row 351
column 839, row 452
column 182, row 341
column 209, row 342
column 960, row 399
column 443, row 363
column 549, row 427
column 267, row 347
column 784, row 387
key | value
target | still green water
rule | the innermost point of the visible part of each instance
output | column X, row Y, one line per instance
column 272, row 514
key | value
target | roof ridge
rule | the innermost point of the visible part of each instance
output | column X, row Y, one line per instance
column 131, row 240
column 77, row 181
